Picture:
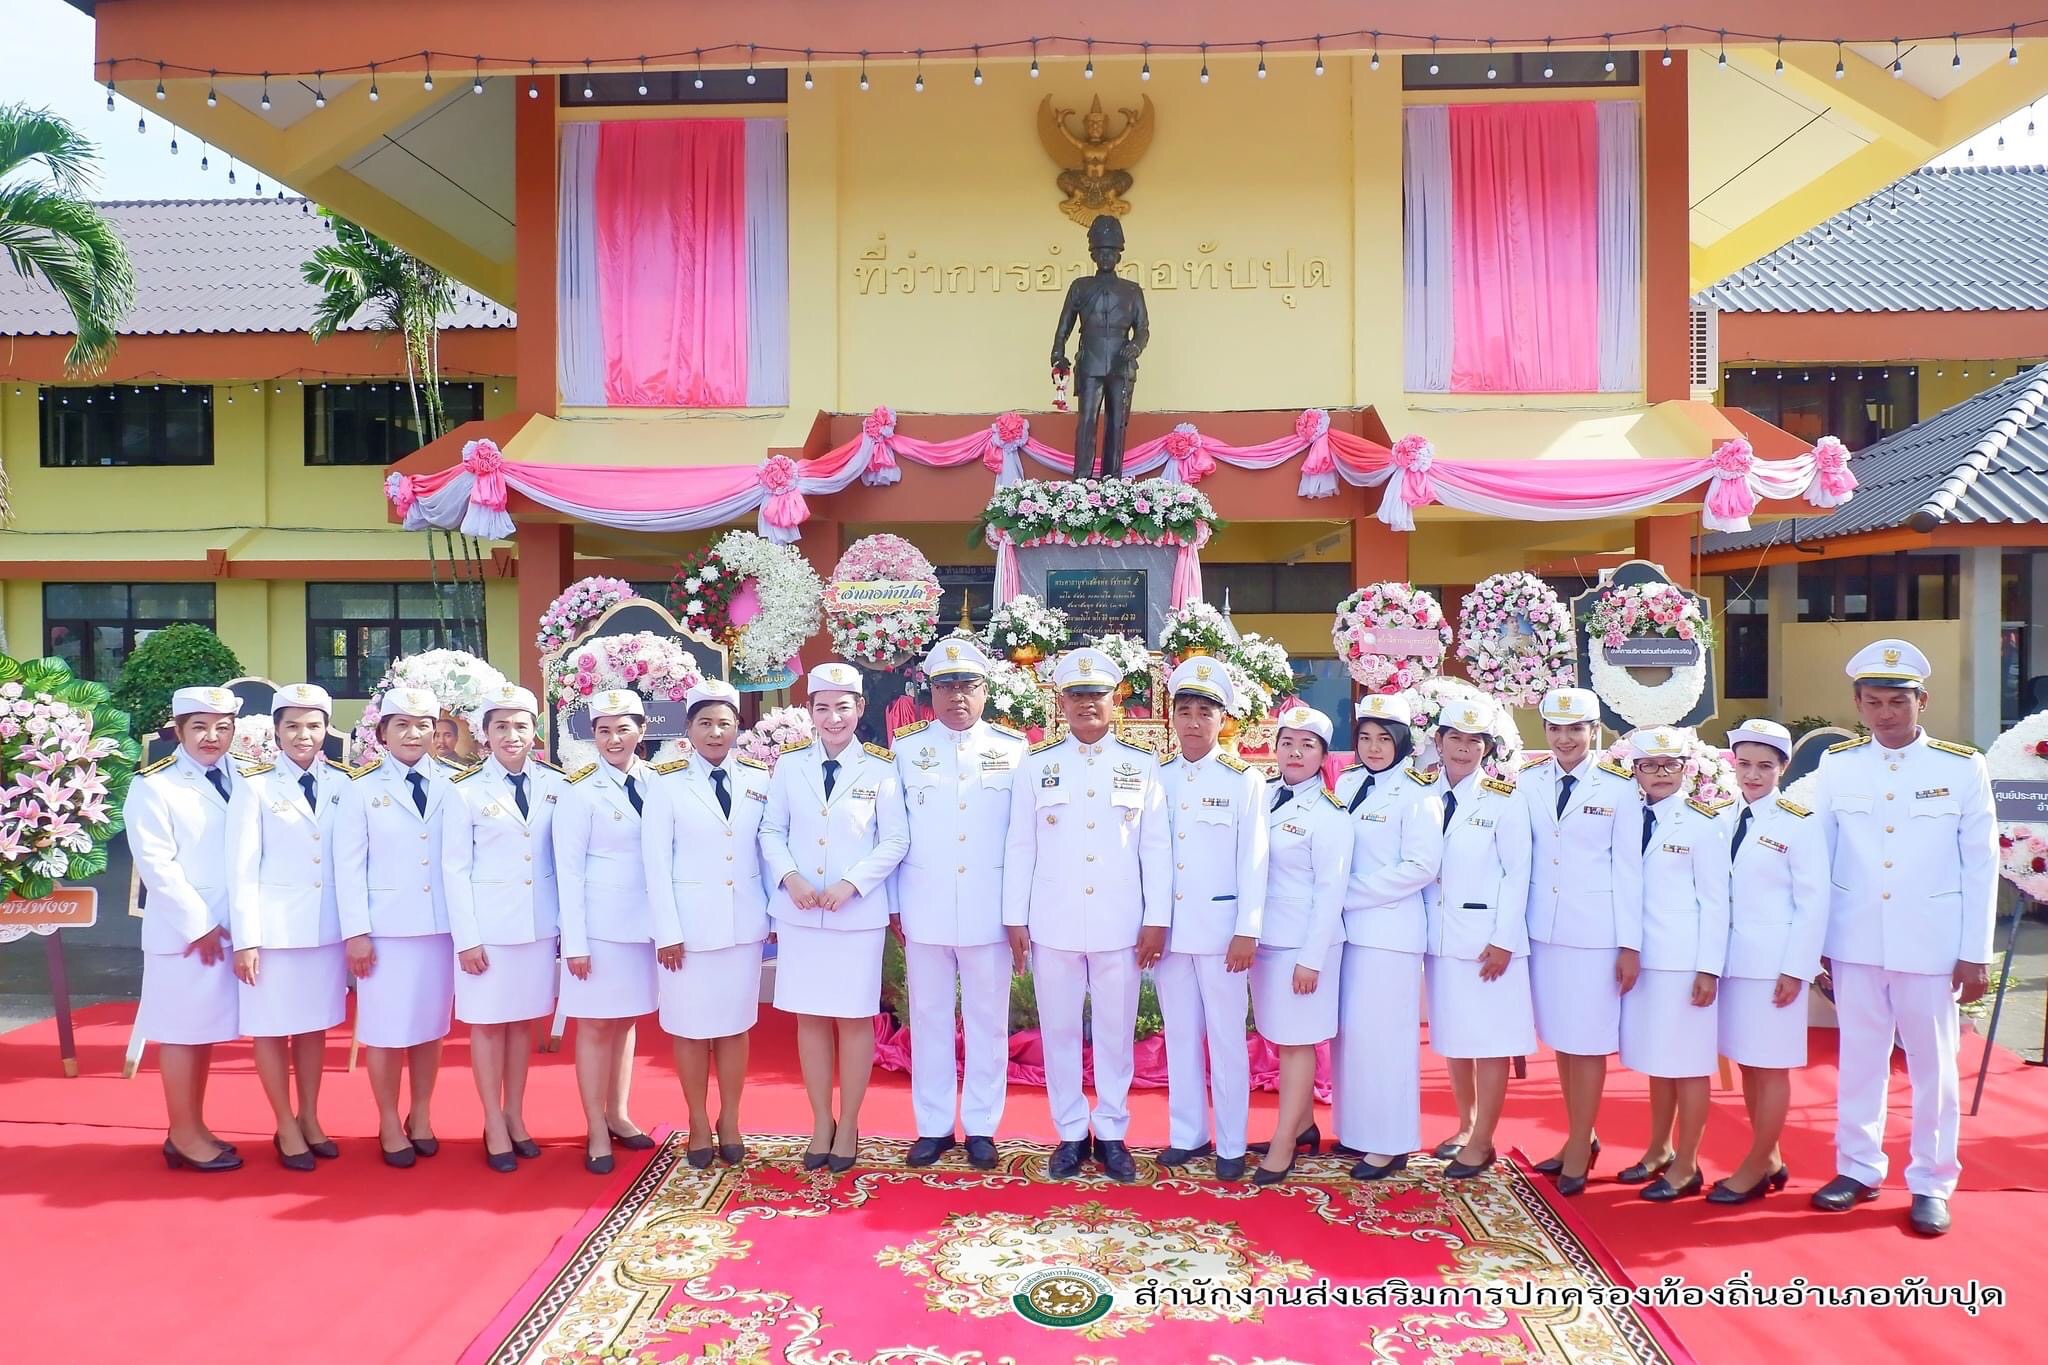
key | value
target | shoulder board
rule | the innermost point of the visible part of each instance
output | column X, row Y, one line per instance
column 257, row 770
column 674, row 765
column 1006, row 730
column 913, row 729
column 1234, row 763
column 1351, row 767
column 1144, row 749
column 1495, row 784
column 796, row 746
column 466, row 774
column 582, row 772
column 337, row 765
column 1166, row 760
column 1535, row 761
column 879, row 752
column 1331, row 797
column 1608, row 765
column 146, row 769
column 357, row 774
column 451, row 763
column 1794, row 807
column 1848, row 744
column 550, row 766
column 1043, row 745
column 1427, row 779
column 1962, row 750
column 1706, row 809
column 745, row 761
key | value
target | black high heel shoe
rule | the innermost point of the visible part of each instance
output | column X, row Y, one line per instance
column 815, row 1161
column 504, row 1163
column 1447, row 1149
column 525, row 1149
column 699, row 1157
column 1462, row 1170
column 176, row 1160
column 326, row 1149
column 732, row 1153
column 842, row 1164
column 598, row 1165
column 1307, row 1143
column 1642, row 1173
column 302, row 1161
column 1262, row 1176
column 425, row 1146
column 1662, row 1191
column 632, row 1142
column 1365, row 1170
column 1555, row 1165
column 1725, row 1193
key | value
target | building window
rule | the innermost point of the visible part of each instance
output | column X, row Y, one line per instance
column 374, row 424
column 355, row 630
column 973, row 584
column 127, row 424
column 1898, row 587
column 2018, row 694
column 1746, row 636
column 1260, row 589
column 93, row 627
column 1530, row 70
column 1860, row 406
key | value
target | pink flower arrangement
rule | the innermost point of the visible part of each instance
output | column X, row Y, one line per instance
column 482, row 457
column 653, row 665
column 399, row 492
column 1733, row 458
column 1650, row 609
column 882, row 639
column 1381, row 606
column 580, row 604
column 778, row 475
column 1515, row 638
column 783, row 725
column 879, row 423
column 1413, row 452
column 65, row 763
column 1010, row 430
column 1183, row 441
column 1312, row 425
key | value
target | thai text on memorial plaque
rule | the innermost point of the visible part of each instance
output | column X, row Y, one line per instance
column 2018, row 800
column 665, row 720
column 1099, row 601
column 1654, row 651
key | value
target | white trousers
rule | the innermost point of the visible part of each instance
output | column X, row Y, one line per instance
column 1109, row 981
column 980, row 975
column 1871, row 1003
column 1205, row 1005
column 1376, row 1059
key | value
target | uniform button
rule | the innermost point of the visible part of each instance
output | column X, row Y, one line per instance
column 318, row 885
column 962, row 867
column 1553, row 891
column 1890, row 796
column 423, row 835
column 316, row 860
column 1887, row 862
column 963, row 838
column 963, row 805
column 1178, row 866
column 728, row 881
column 529, row 881
column 728, row 834
column 316, row 836
column 1178, row 896
column 1888, row 829
column 1182, row 835
column 427, row 888
column 529, row 857
column 1183, row 805
column 1091, row 857
column 1887, row 896
column 1553, row 862
column 1091, row 824
column 821, row 843
column 1091, row 791
column 424, row 862
column 728, row 857
column 821, row 872
column 1087, row 890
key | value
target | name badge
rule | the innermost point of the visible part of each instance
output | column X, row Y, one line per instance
column 863, row 793
column 1126, row 778
column 996, row 762
column 334, row 800
column 492, row 811
column 280, row 808
column 551, row 798
column 752, row 795
column 1479, row 822
column 1374, row 818
column 1930, row 794
column 1596, row 810
column 1218, row 802
column 1678, row 848
column 1771, row 843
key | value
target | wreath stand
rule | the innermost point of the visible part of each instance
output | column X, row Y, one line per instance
column 2012, row 938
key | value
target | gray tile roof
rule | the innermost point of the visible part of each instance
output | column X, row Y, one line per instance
column 1983, row 461
column 1969, row 239
column 210, row 265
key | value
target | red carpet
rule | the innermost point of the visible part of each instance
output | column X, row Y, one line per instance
column 106, row 1252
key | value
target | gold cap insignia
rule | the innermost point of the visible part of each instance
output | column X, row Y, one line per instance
column 952, row 653
column 1202, row 672
column 1567, row 702
column 1891, row 656
column 1085, row 666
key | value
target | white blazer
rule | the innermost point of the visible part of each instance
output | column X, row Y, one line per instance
column 858, row 834
column 1685, row 888
column 501, row 865
column 598, row 866
column 1586, row 875
column 1220, row 874
column 703, row 867
column 177, row 835
column 281, row 888
column 1778, row 892
column 1479, row 900
column 1308, row 864
column 956, row 797
column 1397, row 850
column 387, row 856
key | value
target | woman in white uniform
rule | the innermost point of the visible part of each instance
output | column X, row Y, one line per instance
column 710, row 912
column 1480, row 1014
column 286, row 928
column 497, row 846
column 1777, row 918
column 607, row 943
column 834, row 830
column 393, row 905
column 176, row 817
column 1397, row 845
column 1668, row 1025
column 1300, row 954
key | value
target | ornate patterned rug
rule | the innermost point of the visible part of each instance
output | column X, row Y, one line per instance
column 953, row 1266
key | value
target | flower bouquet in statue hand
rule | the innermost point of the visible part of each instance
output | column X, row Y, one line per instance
column 66, row 759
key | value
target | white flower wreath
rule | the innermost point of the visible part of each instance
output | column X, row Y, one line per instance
column 792, row 602
column 1647, row 611
column 1640, row 704
column 2021, row 754
column 1515, row 637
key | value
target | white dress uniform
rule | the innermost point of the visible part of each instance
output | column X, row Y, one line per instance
column 1219, row 893
column 502, row 891
column 1685, row 932
column 1777, row 917
column 601, row 877
column 391, row 886
column 948, row 894
column 1478, row 902
column 281, row 895
column 1585, row 898
column 1090, row 859
column 1308, row 867
column 1397, row 849
column 177, row 834
column 1912, row 835
column 829, row 962
column 705, row 890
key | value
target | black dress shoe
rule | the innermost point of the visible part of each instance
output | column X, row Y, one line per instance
column 700, row 1157
column 504, row 1163
column 526, row 1149
column 732, row 1153
column 632, row 1142
column 1842, row 1194
column 1344, row 1150
column 1230, row 1168
column 1779, row 1177
column 842, row 1164
column 1365, row 1170
column 1447, row 1149
column 1065, row 1161
column 403, row 1158
column 225, row 1160
column 1725, row 1193
column 1465, row 1170
column 927, row 1150
column 425, row 1146
column 982, row 1154
column 302, row 1161
column 1116, row 1159
column 1308, row 1142
column 598, row 1165
column 1571, row 1185
column 325, row 1149
column 1662, row 1191
column 1181, row 1156
column 1262, row 1176
column 1929, row 1215
column 1555, row 1165
column 1642, row 1173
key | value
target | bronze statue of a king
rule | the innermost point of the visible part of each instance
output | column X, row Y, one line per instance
column 1114, row 330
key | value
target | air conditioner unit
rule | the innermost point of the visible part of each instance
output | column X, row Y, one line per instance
column 1703, row 326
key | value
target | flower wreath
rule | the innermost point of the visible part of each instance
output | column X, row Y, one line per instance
column 1708, row 776
column 1195, row 628
column 580, row 604
column 1639, row 611
column 66, row 760
column 1025, row 630
column 778, row 727
column 883, row 639
column 1016, row 699
column 1428, row 699
column 458, row 679
column 255, row 739
column 760, row 599
column 1379, row 606
column 655, row 666
column 1515, row 638
column 2021, row 754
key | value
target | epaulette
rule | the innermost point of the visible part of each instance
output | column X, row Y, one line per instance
column 1234, row 763
column 1043, row 745
column 1351, row 767
column 545, row 763
column 1534, row 761
column 452, row 763
column 1331, row 797
column 674, row 765
column 1495, row 784
column 357, row 774
column 1144, row 749
column 913, row 728
column 886, row 755
column 1608, row 765
column 467, row 773
column 337, row 765
column 257, row 770
column 146, row 769
column 1166, row 760
column 1961, row 750
column 581, row 773
column 1848, row 744
column 1427, row 779
column 1794, row 807
column 1706, row 808
column 796, row 745
column 1002, row 729
column 747, row 761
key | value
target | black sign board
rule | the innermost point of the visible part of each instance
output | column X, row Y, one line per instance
column 255, row 695
column 2018, row 800
column 1099, row 601
column 665, row 720
column 630, row 617
column 1637, row 573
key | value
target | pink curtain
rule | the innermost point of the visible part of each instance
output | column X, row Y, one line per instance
column 1525, row 248
column 672, row 262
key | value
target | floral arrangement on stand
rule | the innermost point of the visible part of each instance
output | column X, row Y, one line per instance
column 1647, row 611
column 1709, row 776
column 1016, row 698
column 759, row 599
column 883, row 638
column 255, row 740
column 66, row 759
column 1365, row 615
column 1097, row 512
column 2021, row 755
column 1266, row 671
column 458, row 679
column 1024, row 630
column 1195, row 628
column 579, row 606
column 777, row 727
column 655, row 666
column 1140, row 667
column 1515, row 638
column 1428, row 700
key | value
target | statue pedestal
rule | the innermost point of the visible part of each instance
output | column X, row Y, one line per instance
column 1103, row 589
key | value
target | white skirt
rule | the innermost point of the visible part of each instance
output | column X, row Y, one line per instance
column 186, row 1002
column 1755, row 1032
column 1662, row 1032
column 518, row 984
column 832, row 972
column 1578, row 1001
column 1469, row 1017
column 297, row 990
column 620, row 985
column 407, row 998
column 1284, row 1018
column 718, row 992
column 1376, row 1060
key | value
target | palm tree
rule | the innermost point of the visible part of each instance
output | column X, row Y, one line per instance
column 50, row 229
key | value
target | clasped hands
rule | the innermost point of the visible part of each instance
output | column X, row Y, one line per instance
column 804, row 896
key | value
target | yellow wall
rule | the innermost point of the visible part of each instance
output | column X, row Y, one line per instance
column 1814, row 652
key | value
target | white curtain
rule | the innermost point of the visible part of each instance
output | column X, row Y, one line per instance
column 579, row 344
column 767, row 263
column 1621, row 245
column 1426, row 247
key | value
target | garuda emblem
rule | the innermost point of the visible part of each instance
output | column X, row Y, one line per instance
column 1096, row 166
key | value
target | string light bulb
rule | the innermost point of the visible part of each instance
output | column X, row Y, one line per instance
column 809, row 84
column 161, row 94
column 2012, row 53
column 750, row 64
column 1433, row 67
column 140, row 126
column 1898, row 66
column 427, row 66
column 319, row 90
column 643, row 76
column 532, row 83
column 1034, row 59
column 1548, row 69
column 1780, row 69
column 1607, row 38
column 203, row 158
column 264, row 103
column 1319, row 54
column 1374, row 64
column 589, row 93
column 918, row 84
column 374, row 96
column 863, row 69
column 476, row 84
column 1205, row 64
column 1262, row 61
column 1667, row 45
column 1840, row 70
column 1955, row 60
column 1145, row 71
column 1722, row 60
column 698, row 79
column 1088, row 71
column 977, row 65
column 174, row 142
column 110, row 87
column 1492, row 71
column 212, row 98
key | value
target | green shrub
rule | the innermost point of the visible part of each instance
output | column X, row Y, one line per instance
column 183, row 655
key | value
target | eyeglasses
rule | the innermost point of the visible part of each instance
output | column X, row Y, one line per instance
column 1660, row 767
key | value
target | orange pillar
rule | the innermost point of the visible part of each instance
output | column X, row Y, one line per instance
column 534, row 150
column 547, row 564
column 1667, row 542
column 1378, row 554
column 823, row 543
column 1667, row 232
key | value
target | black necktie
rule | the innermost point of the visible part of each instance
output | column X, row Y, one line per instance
column 831, row 776
column 633, row 794
column 1450, row 808
column 419, row 791
column 219, row 780
column 312, row 798
column 1649, row 827
column 1364, row 790
column 519, row 792
column 1564, row 793
column 1282, row 797
column 1741, row 828
column 724, row 796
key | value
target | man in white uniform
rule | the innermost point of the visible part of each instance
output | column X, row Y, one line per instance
column 1088, row 890
column 957, row 774
column 1216, row 805
column 1913, row 834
